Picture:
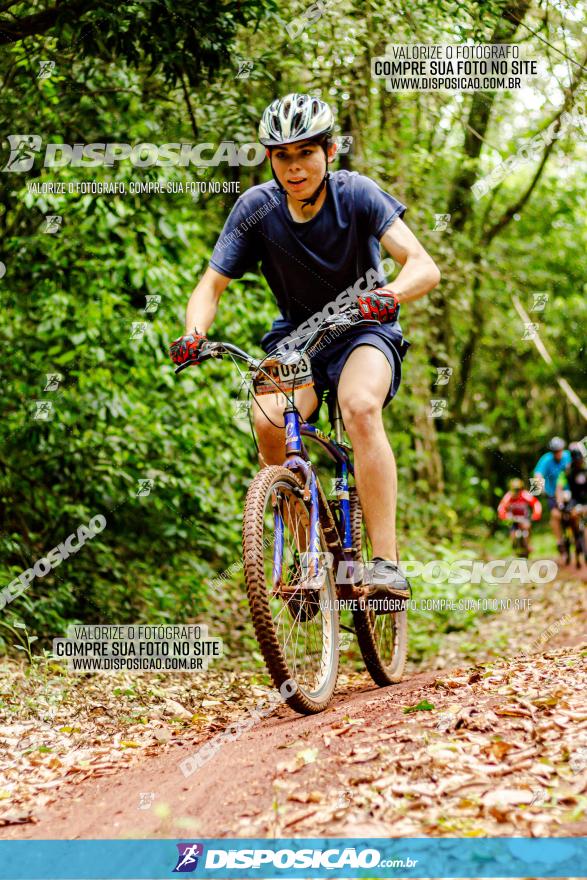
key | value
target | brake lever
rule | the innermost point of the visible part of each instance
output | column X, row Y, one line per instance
column 186, row 365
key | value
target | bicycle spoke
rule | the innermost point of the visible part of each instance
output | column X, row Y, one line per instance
column 300, row 626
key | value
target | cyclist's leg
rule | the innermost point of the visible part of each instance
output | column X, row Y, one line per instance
column 269, row 427
column 268, row 420
column 575, row 521
column 555, row 524
column 362, row 390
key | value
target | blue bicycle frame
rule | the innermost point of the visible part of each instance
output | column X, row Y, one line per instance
column 298, row 460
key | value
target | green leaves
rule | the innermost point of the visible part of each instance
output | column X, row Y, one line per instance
column 422, row 706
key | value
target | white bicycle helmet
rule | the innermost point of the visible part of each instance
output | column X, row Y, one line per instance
column 297, row 118
column 294, row 118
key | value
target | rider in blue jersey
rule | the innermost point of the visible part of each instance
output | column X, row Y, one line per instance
column 549, row 467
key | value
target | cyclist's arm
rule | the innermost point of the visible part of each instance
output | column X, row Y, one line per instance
column 541, row 465
column 504, row 506
column 203, row 303
column 419, row 273
column 536, row 507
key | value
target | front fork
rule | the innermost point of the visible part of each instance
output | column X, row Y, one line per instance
column 295, row 462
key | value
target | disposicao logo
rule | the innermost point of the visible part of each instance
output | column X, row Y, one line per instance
column 24, row 148
column 187, row 860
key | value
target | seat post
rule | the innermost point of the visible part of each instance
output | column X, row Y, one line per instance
column 337, row 423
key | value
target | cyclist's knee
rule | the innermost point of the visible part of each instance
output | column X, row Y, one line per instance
column 360, row 411
column 555, row 513
column 267, row 419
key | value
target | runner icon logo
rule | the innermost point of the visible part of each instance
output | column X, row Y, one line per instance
column 187, row 860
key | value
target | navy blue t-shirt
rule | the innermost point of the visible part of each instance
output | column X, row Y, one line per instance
column 307, row 264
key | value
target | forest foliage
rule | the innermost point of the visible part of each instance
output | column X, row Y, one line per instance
column 164, row 458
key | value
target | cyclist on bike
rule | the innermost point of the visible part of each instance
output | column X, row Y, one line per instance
column 317, row 234
column 574, row 480
column 547, row 470
column 520, row 503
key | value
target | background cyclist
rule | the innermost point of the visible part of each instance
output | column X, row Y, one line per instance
column 520, row 503
column 548, row 469
column 574, row 479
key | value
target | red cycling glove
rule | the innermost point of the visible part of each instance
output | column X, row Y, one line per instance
column 186, row 348
column 380, row 304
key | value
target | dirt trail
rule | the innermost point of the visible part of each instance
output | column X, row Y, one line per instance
column 494, row 749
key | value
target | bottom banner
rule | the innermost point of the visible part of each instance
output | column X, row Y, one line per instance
column 284, row 858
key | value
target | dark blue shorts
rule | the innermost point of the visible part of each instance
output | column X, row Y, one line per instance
column 328, row 360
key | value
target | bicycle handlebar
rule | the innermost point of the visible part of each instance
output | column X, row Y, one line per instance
column 218, row 349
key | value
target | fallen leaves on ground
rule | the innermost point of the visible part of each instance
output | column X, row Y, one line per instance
column 57, row 728
column 510, row 761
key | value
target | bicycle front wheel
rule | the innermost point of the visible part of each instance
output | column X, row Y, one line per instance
column 382, row 638
column 295, row 618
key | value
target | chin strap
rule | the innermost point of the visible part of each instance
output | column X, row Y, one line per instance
column 312, row 199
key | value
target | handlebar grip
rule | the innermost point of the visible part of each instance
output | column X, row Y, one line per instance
column 205, row 354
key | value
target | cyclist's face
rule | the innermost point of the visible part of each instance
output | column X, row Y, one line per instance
column 300, row 167
column 558, row 454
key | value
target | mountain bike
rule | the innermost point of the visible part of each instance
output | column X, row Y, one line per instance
column 573, row 536
column 305, row 555
column 520, row 534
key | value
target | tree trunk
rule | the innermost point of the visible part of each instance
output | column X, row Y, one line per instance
column 429, row 462
column 460, row 204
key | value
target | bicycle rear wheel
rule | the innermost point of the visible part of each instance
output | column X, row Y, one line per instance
column 382, row 638
column 295, row 619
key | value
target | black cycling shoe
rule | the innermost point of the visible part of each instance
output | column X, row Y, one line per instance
column 385, row 587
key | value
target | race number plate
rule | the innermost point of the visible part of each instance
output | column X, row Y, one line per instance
column 287, row 377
